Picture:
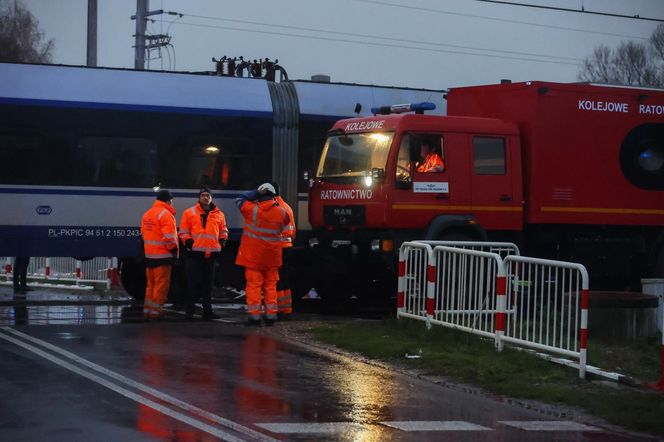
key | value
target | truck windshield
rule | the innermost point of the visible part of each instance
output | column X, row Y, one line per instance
column 354, row 155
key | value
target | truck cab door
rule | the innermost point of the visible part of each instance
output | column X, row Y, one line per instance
column 420, row 196
column 496, row 196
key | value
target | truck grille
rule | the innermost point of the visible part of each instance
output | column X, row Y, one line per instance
column 344, row 215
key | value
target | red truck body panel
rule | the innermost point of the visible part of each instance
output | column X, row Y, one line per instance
column 393, row 208
column 572, row 138
column 569, row 171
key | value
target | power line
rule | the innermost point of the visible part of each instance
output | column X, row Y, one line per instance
column 380, row 37
column 504, row 20
column 582, row 10
column 444, row 51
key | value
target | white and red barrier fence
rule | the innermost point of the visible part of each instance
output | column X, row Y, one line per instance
column 547, row 306
column 98, row 270
column 527, row 302
column 464, row 289
column 660, row 384
column 502, row 249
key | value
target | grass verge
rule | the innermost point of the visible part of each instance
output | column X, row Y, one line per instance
column 470, row 359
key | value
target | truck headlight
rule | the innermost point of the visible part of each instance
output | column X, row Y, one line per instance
column 385, row 245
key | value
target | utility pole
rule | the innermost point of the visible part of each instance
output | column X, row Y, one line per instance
column 92, row 34
column 140, row 17
column 145, row 43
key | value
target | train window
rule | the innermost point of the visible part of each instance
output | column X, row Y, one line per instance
column 22, row 159
column 642, row 156
column 221, row 162
column 117, row 161
column 489, row 156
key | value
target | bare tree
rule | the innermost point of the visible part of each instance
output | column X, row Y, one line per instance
column 598, row 66
column 20, row 38
column 657, row 42
column 635, row 64
column 657, row 48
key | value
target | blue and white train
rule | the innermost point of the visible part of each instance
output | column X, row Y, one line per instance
column 82, row 148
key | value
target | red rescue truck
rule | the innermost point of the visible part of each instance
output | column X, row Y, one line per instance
column 567, row 171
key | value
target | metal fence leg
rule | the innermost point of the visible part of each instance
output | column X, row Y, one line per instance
column 431, row 288
column 583, row 333
column 401, row 297
column 501, row 292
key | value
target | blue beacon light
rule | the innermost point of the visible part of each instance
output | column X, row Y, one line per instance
column 418, row 108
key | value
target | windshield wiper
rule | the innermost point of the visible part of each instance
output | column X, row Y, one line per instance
column 335, row 132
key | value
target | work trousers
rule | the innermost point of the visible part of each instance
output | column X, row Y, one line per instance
column 156, row 291
column 284, row 297
column 261, row 283
column 20, row 271
column 200, row 275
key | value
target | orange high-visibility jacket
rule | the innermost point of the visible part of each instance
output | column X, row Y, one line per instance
column 289, row 231
column 205, row 231
column 159, row 231
column 262, row 239
column 432, row 163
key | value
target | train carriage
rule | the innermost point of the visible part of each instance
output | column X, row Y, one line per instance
column 84, row 148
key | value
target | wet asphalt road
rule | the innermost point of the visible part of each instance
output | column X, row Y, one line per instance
column 91, row 373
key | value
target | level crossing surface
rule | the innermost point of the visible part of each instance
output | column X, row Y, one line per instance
column 222, row 381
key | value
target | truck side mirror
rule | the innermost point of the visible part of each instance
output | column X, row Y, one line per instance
column 377, row 173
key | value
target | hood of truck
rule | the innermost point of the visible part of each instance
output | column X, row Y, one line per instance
column 334, row 205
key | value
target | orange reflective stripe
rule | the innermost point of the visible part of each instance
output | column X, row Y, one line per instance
column 159, row 231
column 206, row 239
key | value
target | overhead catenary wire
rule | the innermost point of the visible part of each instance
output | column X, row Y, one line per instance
column 581, row 11
column 505, row 20
column 487, row 53
column 379, row 37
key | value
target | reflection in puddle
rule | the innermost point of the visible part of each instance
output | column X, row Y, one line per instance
column 61, row 314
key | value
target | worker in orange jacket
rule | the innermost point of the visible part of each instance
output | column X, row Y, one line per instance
column 431, row 161
column 203, row 232
column 160, row 245
column 284, row 295
column 260, row 250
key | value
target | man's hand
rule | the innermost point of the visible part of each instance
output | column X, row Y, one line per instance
column 188, row 244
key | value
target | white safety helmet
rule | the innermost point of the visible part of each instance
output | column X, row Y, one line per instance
column 267, row 188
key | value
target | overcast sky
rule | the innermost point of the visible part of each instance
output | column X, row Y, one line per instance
column 430, row 44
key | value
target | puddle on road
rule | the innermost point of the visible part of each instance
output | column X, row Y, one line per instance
column 61, row 314
column 45, row 307
column 41, row 307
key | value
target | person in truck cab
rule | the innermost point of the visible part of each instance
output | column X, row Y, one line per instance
column 430, row 160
